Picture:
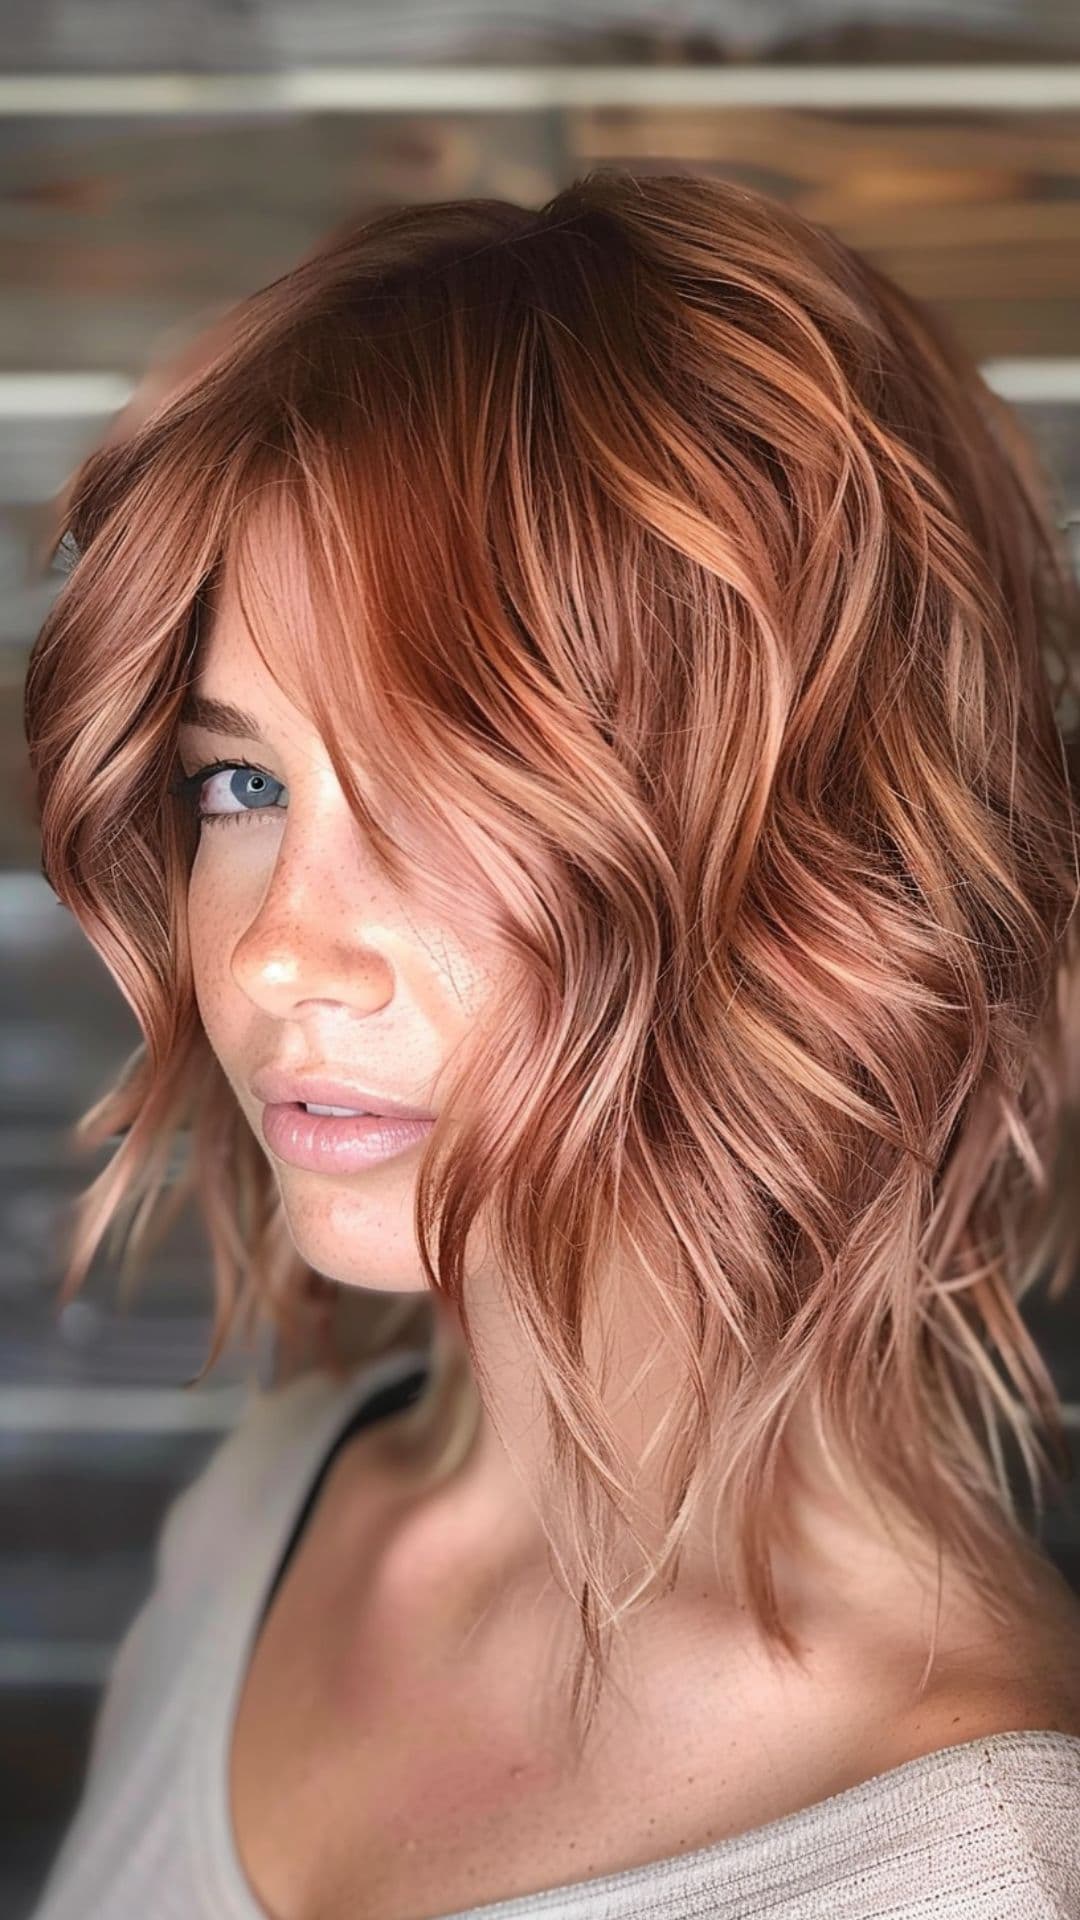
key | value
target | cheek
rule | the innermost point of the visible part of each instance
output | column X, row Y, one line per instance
column 213, row 911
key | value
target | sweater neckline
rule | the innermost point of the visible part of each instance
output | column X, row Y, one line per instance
column 320, row 1407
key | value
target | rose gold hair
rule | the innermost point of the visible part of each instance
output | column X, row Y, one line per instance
column 680, row 606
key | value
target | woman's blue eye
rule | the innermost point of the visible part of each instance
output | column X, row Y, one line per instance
column 252, row 789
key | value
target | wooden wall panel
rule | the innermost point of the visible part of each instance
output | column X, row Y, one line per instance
column 977, row 214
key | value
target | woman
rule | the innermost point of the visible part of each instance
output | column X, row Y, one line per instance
column 582, row 677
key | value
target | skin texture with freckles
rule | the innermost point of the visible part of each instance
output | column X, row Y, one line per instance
column 301, row 950
column 396, row 1731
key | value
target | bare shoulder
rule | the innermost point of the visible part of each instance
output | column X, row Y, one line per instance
column 1019, row 1676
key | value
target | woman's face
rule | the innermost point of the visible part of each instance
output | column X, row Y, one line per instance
column 307, row 959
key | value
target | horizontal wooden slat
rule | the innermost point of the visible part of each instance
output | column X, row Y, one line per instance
column 1027, row 87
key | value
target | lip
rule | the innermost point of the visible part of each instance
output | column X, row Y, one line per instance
column 278, row 1089
column 325, row 1143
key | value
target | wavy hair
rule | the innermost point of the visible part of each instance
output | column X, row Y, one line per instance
column 721, row 604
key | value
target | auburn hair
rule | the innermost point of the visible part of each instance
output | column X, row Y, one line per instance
column 720, row 603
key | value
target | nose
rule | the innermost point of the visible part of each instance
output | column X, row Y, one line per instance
column 322, row 936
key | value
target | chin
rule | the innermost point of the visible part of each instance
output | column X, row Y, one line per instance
column 352, row 1234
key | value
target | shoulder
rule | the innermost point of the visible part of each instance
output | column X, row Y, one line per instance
column 1002, row 1664
column 999, row 1818
column 1024, row 1818
column 979, row 1799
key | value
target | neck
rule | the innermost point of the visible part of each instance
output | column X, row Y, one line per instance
column 476, row 1536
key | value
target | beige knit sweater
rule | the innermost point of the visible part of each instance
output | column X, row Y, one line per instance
column 987, row 1830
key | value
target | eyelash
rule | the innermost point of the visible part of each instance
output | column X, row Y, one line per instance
column 187, row 787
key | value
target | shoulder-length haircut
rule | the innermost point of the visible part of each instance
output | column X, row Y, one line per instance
column 681, row 609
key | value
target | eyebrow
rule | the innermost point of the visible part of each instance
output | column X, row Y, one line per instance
column 217, row 716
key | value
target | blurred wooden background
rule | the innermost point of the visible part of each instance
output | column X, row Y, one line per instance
column 156, row 164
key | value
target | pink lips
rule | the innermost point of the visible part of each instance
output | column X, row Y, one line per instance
column 276, row 1088
column 326, row 1143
